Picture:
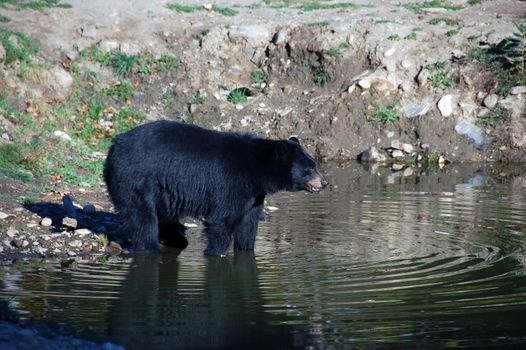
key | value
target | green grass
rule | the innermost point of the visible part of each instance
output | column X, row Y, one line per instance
column 495, row 116
column 258, row 77
column 313, row 6
column 323, row 23
column 420, row 6
column 335, row 52
column 4, row 19
column 452, row 32
column 225, row 11
column 394, row 37
column 237, row 96
column 38, row 5
column 122, row 91
column 385, row 115
column 183, row 8
column 198, row 99
column 18, row 46
column 411, row 36
column 123, row 63
column 438, row 77
column 384, row 21
column 446, row 20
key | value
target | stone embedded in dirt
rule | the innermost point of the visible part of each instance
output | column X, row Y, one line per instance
column 279, row 38
column 75, row 244
column 445, row 106
column 416, row 111
column 516, row 90
column 397, row 167
column 59, row 81
column 130, row 49
column 113, row 248
column 46, row 222
column 490, row 101
column 397, row 154
column 389, row 52
column 406, row 147
column 372, row 155
column 256, row 34
column 108, row 45
column 467, row 108
column 89, row 31
column 406, row 86
column 3, row 215
column 89, row 209
column 380, row 83
column 472, row 133
column 69, row 223
column 61, row 135
column 11, row 232
column 83, row 232
column 421, row 77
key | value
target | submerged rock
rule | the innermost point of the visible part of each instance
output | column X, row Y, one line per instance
column 372, row 155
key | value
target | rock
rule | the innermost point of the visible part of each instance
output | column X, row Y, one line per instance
column 279, row 38
column 372, row 155
column 59, row 81
column 421, row 77
column 130, row 49
column 408, row 172
column 89, row 31
column 490, row 101
column 256, row 34
column 69, row 223
column 389, row 52
column 445, row 106
column 75, row 244
column 108, row 45
column 467, row 108
column 415, row 111
column 406, row 63
column 397, row 154
column 3, row 215
column 46, row 222
column 360, row 76
column 406, row 86
column 380, row 83
column 397, row 167
column 472, row 133
column 89, row 209
column 62, row 136
column 516, row 90
column 11, row 232
column 83, row 232
column 406, row 147
column 113, row 248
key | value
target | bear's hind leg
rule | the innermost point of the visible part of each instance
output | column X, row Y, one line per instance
column 172, row 234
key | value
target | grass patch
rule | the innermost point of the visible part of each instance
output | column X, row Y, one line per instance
column 238, row 95
column 323, row 23
column 335, row 52
column 384, row 21
column 411, row 36
column 38, row 5
column 313, row 6
column 258, row 77
column 384, row 115
column 198, row 99
column 394, row 37
column 18, row 46
column 495, row 116
column 445, row 20
column 420, row 6
column 225, row 11
column 452, row 32
column 439, row 75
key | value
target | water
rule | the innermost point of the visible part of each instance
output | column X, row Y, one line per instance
column 379, row 260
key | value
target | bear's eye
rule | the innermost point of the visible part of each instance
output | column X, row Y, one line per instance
column 310, row 169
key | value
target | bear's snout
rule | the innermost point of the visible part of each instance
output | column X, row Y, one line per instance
column 315, row 184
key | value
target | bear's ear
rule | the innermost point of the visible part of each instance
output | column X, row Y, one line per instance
column 294, row 139
column 281, row 150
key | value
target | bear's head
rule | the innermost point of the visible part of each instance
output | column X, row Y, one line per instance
column 304, row 171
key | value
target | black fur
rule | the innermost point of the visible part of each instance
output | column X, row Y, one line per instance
column 162, row 171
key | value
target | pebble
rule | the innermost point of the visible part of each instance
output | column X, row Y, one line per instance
column 397, row 167
column 279, row 38
column 40, row 250
column 190, row 225
column 389, row 52
column 11, row 232
column 373, row 155
column 416, row 111
column 490, row 101
column 46, row 222
column 61, row 135
column 516, row 90
column 83, row 232
column 75, row 244
column 397, row 153
column 467, row 108
column 408, row 172
column 113, row 248
column 444, row 105
column 271, row 208
column 3, row 215
column 381, row 83
column 69, row 223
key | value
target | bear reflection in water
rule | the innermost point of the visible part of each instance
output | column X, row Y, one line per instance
column 162, row 171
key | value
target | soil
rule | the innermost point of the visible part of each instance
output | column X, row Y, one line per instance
column 313, row 63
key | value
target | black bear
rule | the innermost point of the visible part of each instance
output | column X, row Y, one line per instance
column 163, row 171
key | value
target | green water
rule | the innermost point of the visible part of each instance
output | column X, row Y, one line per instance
column 379, row 260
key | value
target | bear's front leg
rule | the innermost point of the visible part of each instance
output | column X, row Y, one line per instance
column 219, row 237
column 140, row 227
column 245, row 232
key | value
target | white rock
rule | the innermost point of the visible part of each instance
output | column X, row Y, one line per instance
column 516, row 90
column 490, row 101
column 108, row 45
column 271, row 208
column 83, row 232
column 397, row 167
column 279, row 38
column 75, row 244
column 397, row 154
column 11, row 232
column 389, row 52
column 408, row 172
column 3, row 215
column 415, row 111
column 380, row 83
column 61, row 135
column 59, row 80
column 445, row 106
column 130, row 49
column 41, row 250
column 190, row 225
column 46, row 222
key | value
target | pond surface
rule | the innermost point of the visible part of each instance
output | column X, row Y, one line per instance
column 379, row 259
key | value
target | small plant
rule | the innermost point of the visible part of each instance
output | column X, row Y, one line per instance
column 452, row 32
column 123, row 63
column 324, row 23
column 319, row 78
column 335, row 52
column 385, row 115
column 167, row 62
column 430, row 159
column 394, row 37
column 438, row 77
column 474, row 2
column 145, row 69
column 411, row 36
column 446, row 20
column 4, row 19
column 384, row 21
column 237, row 96
column 344, row 45
column 183, row 118
column 418, row 7
column 182, row 8
column 312, row 6
column 225, row 11
column 198, row 99
column 495, row 116
column 258, row 77
column 18, row 46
